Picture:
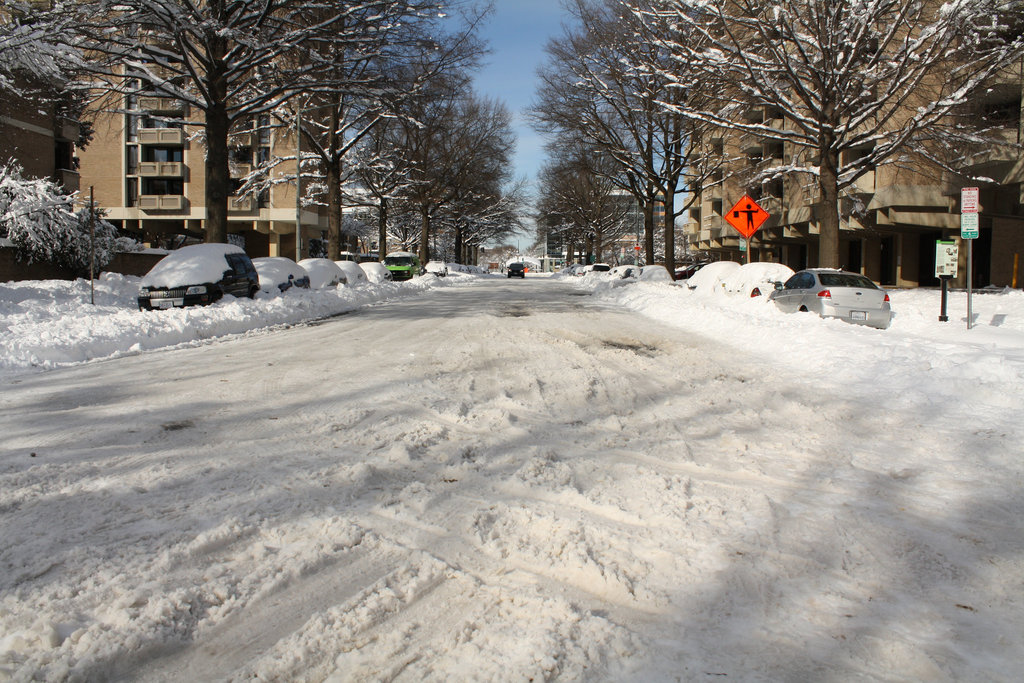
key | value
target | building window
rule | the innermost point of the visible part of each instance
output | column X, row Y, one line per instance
column 131, row 191
column 240, row 155
column 173, row 186
column 263, row 126
column 131, row 161
column 162, row 153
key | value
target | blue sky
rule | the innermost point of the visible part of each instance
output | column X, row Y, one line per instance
column 517, row 33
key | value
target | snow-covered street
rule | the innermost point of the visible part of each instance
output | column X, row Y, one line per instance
column 522, row 480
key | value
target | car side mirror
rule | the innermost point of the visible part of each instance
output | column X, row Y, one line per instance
column 779, row 286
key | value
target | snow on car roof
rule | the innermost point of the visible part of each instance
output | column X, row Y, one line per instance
column 751, row 275
column 712, row 275
column 192, row 265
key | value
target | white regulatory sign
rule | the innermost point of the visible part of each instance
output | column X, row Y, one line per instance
column 969, row 200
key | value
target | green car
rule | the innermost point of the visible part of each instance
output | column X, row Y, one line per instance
column 403, row 265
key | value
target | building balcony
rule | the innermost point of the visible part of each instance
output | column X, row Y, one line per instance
column 162, row 202
column 169, row 105
column 161, row 169
column 162, row 136
column 865, row 184
column 240, row 170
column 241, row 139
column 68, row 179
column 240, row 203
column 712, row 222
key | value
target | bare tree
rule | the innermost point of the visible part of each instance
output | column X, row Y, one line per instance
column 857, row 85
column 456, row 143
column 594, row 87
column 579, row 202
column 232, row 60
column 374, row 79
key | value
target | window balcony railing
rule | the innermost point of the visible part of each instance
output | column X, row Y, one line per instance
column 170, row 105
column 240, row 203
column 161, row 169
column 161, row 136
column 162, row 202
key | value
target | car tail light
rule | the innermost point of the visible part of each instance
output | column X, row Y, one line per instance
column 755, row 292
column 825, row 294
column 887, row 298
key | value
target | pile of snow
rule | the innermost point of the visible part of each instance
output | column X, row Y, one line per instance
column 50, row 323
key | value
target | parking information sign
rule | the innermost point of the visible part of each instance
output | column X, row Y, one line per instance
column 968, row 226
column 946, row 258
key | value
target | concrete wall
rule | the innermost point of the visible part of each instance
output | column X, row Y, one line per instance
column 12, row 270
column 1007, row 242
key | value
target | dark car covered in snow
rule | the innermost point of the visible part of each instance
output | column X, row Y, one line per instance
column 199, row 274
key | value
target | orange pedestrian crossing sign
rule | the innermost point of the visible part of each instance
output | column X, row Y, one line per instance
column 746, row 216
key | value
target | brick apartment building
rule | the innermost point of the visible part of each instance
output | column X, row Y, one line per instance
column 892, row 241
column 146, row 165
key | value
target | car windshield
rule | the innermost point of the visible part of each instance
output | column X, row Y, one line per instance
column 845, row 280
column 398, row 260
column 516, row 266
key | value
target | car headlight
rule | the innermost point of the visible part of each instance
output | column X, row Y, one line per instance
column 196, row 289
column 144, row 291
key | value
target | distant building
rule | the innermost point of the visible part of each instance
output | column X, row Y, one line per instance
column 40, row 137
column 147, row 166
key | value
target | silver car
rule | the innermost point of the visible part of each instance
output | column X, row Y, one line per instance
column 851, row 297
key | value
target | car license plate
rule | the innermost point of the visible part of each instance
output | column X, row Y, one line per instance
column 167, row 303
column 858, row 315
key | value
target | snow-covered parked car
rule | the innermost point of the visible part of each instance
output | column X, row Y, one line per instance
column 323, row 273
column 197, row 275
column 710, row 277
column 627, row 272
column 830, row 293
column 438, row 268
column 655, row 273
column 756, row 279
column 279, row 273
column 376, row 272
column 354, row 274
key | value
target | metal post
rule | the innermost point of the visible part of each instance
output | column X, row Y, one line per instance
column 92, row 248
column 970, row 276
column 945, row 288
column 298, row 182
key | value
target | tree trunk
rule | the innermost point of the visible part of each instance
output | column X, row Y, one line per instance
column 670, row 230
column 334, row 209
column 828, row 218
column 459, row 244
column 218, row 125
column 382, row 229
column 424, row 234
column 649, row 231
column 217, row 174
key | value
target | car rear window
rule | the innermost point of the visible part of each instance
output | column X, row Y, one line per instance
column 845, row 280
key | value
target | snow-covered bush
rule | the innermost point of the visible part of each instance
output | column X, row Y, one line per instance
column 42, row 223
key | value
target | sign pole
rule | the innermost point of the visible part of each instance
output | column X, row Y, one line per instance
column 969, row 230
column 92, row 247
column 970, row 276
